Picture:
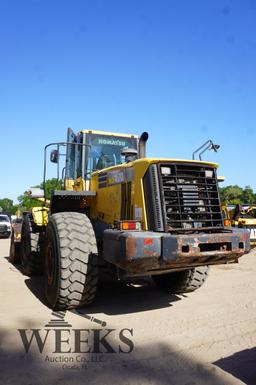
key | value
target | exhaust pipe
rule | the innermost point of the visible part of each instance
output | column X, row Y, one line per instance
column 142, row 145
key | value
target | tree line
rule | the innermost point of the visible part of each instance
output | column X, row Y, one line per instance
column 25, row 202
column 232, row 194
column 235, row 194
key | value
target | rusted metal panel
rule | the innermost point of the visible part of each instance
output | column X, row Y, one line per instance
column 149, row 252
column 131, row 247
column 139, row 246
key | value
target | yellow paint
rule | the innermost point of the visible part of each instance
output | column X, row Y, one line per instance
column 40, row 215
column 46, row 201
column 107, row 203
column 144, row 163
column 246, row 221
column 18, row 212
column 69, row 184
column 242, row 221
column 173, row 160
column 17, row 236
column 79, row 184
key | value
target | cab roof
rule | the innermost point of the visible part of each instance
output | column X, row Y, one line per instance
column 107, row 133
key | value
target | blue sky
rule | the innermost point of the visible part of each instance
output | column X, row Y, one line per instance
column 183, row 70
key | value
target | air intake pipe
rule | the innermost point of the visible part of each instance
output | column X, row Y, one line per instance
column 142, row 145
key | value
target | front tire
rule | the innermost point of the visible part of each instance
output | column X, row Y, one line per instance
column 184, row 281
column 71, row 261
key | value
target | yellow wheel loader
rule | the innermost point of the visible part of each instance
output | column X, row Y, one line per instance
column 126, row 214
column 243, row 217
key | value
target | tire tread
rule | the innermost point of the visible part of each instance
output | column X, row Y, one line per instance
column 78, row 260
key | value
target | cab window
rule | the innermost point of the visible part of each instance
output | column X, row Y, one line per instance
column 105, row 151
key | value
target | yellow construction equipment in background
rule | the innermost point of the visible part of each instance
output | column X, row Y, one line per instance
column 241, row 216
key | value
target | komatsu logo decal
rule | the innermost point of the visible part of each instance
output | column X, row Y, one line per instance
column 113, row 142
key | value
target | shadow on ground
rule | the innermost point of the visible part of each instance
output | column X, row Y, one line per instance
column 121, row 297
column 137, row 295
column 145, row 365
column 241, row 365
column 35, row 283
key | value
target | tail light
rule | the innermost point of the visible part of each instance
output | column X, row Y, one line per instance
column 129, row 225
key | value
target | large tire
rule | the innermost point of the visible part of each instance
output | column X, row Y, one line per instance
column 31, row 255
column 14, row 256
column 182, row 281
column 71, row 261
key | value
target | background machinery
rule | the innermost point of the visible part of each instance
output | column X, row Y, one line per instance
column 243, row 217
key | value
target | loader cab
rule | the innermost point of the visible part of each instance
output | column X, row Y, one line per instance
column 90, row 151
column 106, row 150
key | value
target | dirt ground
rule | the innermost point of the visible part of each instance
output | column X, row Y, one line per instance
column 135, row 333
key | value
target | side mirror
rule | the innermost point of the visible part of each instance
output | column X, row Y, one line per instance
column 54, row 156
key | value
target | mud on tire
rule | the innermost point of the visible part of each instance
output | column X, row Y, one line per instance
column 182, row 281
column 71, row 271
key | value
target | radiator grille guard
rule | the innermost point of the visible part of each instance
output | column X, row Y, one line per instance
column 182, row 197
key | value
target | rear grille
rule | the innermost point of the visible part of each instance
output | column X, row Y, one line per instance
column 190, row 196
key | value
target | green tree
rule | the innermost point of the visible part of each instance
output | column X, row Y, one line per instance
column 50, row 186
column 7, row 205
column 248, row 195
column 231, row 194
column 27, row 202
column 237, row 195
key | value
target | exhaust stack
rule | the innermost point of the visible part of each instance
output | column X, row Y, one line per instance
column 142, row 145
